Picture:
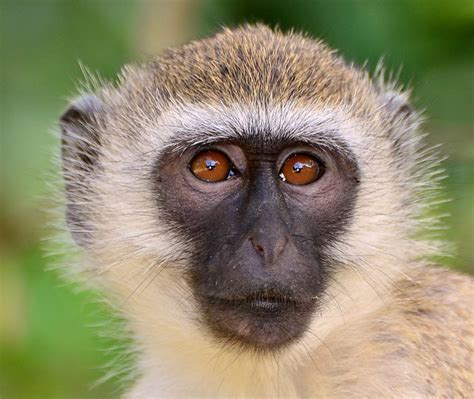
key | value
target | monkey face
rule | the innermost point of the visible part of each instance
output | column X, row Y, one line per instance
column 260, row 214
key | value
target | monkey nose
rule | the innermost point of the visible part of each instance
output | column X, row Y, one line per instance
column 267, row 247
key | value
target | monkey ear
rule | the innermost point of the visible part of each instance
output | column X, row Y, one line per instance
column 403, row 122
column 80, row 148
column 398, row 105
column 80, row 136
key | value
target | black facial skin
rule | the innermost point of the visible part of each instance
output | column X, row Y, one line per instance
column 259, row 263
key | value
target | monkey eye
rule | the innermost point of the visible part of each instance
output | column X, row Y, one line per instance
column 301, row 169
column 212, row 166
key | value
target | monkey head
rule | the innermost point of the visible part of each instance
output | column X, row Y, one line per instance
column 235, row 189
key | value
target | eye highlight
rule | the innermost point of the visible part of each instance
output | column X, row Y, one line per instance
column 212, row 166
column 300, row 169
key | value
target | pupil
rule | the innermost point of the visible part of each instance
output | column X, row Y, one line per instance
column 210, row 164
column 297, row 167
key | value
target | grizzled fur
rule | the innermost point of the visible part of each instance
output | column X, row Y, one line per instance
column 388, row 325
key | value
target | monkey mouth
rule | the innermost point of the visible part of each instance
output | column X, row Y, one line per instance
column 259, row 303
column 262, row 320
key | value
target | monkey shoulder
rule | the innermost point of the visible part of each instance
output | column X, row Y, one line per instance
column 427, row 331
column 419, row 344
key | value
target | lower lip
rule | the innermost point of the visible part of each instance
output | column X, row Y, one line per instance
column 259, row 321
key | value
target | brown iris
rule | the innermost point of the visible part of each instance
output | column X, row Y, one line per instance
column 300, row 169
column 212, row 166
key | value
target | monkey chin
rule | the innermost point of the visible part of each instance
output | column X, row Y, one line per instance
column 258, row 323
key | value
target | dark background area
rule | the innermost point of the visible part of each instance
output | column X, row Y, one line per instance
column 50, row 334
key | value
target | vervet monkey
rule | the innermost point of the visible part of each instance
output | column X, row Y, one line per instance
column 255, row 206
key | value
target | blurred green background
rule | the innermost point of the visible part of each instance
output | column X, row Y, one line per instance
column 50, row 344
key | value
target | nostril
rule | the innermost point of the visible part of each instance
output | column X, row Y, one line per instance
column 269, row 248
column 258, row 248
column 280, row 246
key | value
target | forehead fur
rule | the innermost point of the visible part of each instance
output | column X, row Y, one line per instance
column 255, row 65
